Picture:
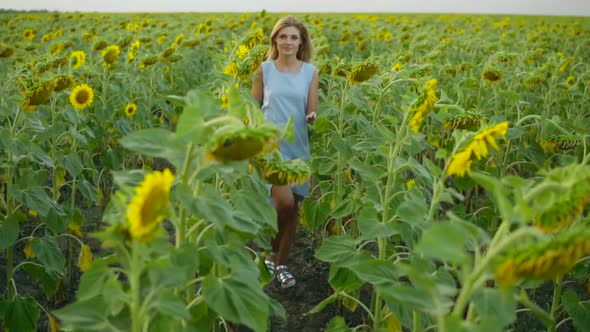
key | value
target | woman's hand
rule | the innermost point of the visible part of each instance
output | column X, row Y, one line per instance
column 310, row 117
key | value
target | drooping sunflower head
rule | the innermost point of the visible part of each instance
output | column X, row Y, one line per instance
column 280, row 172
column 56, row 48
column 533, row 80
column 363, row 72
column 100, row 45
column 78, row 57
column 110, row 55
column 147, row 208
column 38, row 94
column 167, row 52
column 63, row 82
column 29, row 35
column 234, row 143
column 466, row 120
column 556, row 143
column 570, row 80
column 492, row 75
column 148, row 61
column 130, row 109
column 82, row 96
column 6, row 51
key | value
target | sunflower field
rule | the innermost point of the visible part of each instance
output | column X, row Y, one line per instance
column 450, row 172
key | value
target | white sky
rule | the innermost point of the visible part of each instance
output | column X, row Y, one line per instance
column 534, row 7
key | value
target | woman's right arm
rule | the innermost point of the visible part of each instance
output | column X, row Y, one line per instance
column 257, row 86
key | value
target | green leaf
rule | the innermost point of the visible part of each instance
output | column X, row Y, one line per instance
column 343, row 279
column 338, row 324
column 88, row 190
column 59, row 223
column 72, row 163
column 367, row 173
column 9, row 230
column 47, row 281
column 316, row 213
column 578, row 311
column 37, row 199
column 170, row 304
column 237, row 301
column 153, row 142
column 21, row 315
column 444, row 241
column 495, row 306
column 376, row 272
column 407, row 296
column 211, row 206
column 320, row 306
column 47, row 252
column 289, row 131
column 256, row 208
column 337, row 250
column 413, row 211
column 89, row 314
column 92, row 281
column 371, row 228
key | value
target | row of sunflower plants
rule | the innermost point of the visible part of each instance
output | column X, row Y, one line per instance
column 196, row 272
column 429, row 269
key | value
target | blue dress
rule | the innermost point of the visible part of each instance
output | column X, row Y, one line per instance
column 285, row 95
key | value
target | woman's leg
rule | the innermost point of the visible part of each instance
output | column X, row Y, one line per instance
column 287, row 212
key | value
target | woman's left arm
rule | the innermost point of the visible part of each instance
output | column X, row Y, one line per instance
column 312, row 98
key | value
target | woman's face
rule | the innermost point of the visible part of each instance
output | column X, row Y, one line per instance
column 288, row 40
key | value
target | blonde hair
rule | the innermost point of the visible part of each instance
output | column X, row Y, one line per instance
column 305, row 49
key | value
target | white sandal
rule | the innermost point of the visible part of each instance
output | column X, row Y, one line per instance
column 286, row 278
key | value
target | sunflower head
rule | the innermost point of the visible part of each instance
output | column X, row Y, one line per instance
column 6, row 51
column 110, row 55
column 147, row 208
column 363, row 72
column 465, row 120
column 29, row 35
column 280, row 172
column 241, row 142
column 167, row 52
column 149, row 61
column 63, row 82
column 39, row 94
column 492, row 75
column 78, row 58
column 533, row 81
column 130, row 109
column 100, row 45
column 82, row 96
column 56, row 48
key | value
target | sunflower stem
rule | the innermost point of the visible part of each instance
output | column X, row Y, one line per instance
column 555, row 302
column 134, row 279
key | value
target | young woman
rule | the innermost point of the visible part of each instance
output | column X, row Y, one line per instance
column 285, row 86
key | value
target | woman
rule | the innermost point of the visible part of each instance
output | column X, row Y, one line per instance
column 285, row 86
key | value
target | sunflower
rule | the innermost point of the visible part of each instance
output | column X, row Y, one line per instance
column 130, row 110
column 179, row 39
column 135, row 46
column 565, row 64
column 242, row 51
column 363, row 72
column 38, row 95
column 478, row 148
column 110, row 55
column 6, row 51
column 492, row 75
column 279, row 172
column 82, row 96
column 167, row 52
column 148, row 61
column 63, row 82
column 397, row 67
column 147, row 207
column 423, row 105
column 231, row 69
column 570, row 80
column 233, row 143
column 56, row 48
column 161, row 39
column 29, row 35
column 100, row 45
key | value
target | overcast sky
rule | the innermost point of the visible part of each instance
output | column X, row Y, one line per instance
column 536, row 7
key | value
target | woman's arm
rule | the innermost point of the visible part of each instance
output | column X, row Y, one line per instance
column 257, row 86
column 312, row 98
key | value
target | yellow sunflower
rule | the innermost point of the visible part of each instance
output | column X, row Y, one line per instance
column 110, row 55
column 79, row 57
column 56, row 48
column 29, row 35
column 38, row 95
column 82, row 96
column 147, row 207
column 63, row 82
column 130, row 110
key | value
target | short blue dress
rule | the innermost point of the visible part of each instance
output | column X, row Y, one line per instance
column 285, row 95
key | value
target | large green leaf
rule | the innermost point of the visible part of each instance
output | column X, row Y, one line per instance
column 21, row 315
column 316, row 212
column 72, row 163
column 48, row 282
column 376, row 271
column 407, row 296
column 578, row 311
column 368, row 173
column 92, row 281
column 211, row 206
column 168, row 303
column 495, row 306
column 255, row 208
column 337, row 250
column 47, row 252
column 90, row 314
column 444, row 241
column 237, row 301
column 338, row 324
column 9, row 230
column 371, row 227
column 153, row 142
column 413, row 211
column 37, row 199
